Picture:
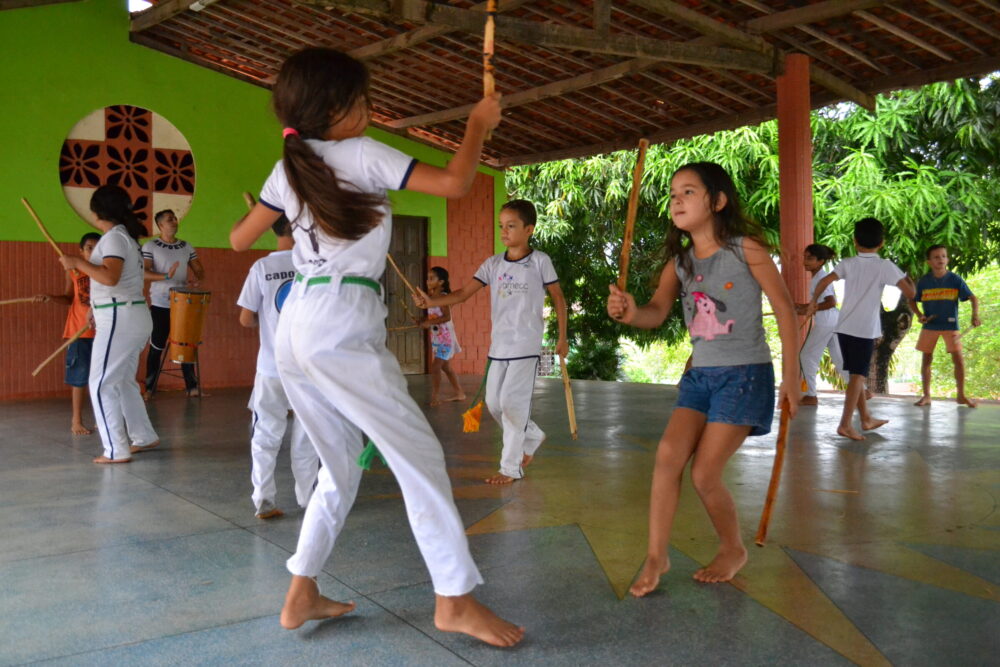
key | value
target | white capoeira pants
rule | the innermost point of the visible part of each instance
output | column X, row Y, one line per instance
column 119, row 410
column 820, row 338
column 341, row 380
column 270, row 407
column 509, row 386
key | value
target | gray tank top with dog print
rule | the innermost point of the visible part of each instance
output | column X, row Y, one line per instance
column 722, row 309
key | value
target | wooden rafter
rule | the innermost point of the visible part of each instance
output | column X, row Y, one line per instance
column 158, row 13
column 556, row 36
column 814, row 13
column 889, row 27
column 964, row 16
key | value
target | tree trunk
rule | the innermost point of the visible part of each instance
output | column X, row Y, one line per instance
column 895, row 324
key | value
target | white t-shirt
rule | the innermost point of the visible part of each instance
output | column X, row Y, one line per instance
column 864, row 275
column 517, row 295
column 164, row 255
column 117, row 243
column 264, row 292
column 824, row 318
column 359, row 162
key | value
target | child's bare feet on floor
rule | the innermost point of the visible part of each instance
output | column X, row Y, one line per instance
column 304, row 603
column 528, row 458
column 964, row 400
column 873, row 424
column 435, row 401
column 143, row 448
column 499, row 478
column 849, row 432
column 105, row 459
column 79, row 429
column 467, row 615
column 924, row 400
column 649, row 577
column 456, row 397
column 723, row 567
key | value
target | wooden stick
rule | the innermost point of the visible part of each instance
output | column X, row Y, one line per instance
column 406, row 282
column 248, row 198
column 772, row 488
column 409, row 326
column 21, row 300
column 41, row 226
column 961, row 334
column 569, row 397
column 62, row 347
column 489, row 83
column 633, row 207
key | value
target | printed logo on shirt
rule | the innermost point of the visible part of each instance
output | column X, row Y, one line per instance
column 83, row 288
column 282, row 292
column 507, row 287
column 279, row 275
column 705, row 322
column 940, row 294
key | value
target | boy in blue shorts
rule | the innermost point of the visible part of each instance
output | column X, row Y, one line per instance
column 939, row 291
column 859, row 325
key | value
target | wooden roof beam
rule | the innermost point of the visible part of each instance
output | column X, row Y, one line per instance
column 556, row 36
column 158, row 13
column 712, row 28
column 814, row 13
column 934, row 26
column 963, row 16
column 904, row 35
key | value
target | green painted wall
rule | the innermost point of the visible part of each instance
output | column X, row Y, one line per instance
column 60, row 62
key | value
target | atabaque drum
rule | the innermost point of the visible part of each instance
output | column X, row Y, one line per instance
column 187, row 319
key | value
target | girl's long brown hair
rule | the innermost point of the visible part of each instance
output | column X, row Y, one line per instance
column 730, row 223
column 317, row 88
column 112, row 203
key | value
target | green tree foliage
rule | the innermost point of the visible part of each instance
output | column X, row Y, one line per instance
column 925, row 163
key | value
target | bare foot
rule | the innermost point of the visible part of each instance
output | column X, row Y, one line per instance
column 499, row 478
column 143, row 448
column 197, row 393
column 849, row 432
column 809, row 400
column 873, row 424
column 649, row 577
column 79, row 429
column 723, row 567
column 456, row 397
column 924, row 400
column 435, row 401
column 105, row 459
column 467, row 615
column 528, row 458
column 303, row 602
column 272, row 513
column 963, row 400
column 868, row 394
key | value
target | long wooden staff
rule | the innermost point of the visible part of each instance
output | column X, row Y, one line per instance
column 25, row 299
column 569, row 398
column 60, row 349
column 248, row 198
column 41, row 226
column 406, row 282
column 489, row 83
column 633, row 207
column 772, row 488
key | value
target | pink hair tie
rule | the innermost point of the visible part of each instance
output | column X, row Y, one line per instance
column 287, row 131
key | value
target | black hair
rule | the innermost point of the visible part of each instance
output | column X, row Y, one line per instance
column 868, row 232
column 281, row 226
column 524, row 209
column 162, row 213
column 317, row 88
column 112, row 203
column 933, row 248
column 89, row 236
column 730, row 223
column 442, row 275
column 824, row 253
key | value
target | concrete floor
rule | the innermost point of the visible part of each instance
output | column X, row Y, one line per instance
column 880, row 552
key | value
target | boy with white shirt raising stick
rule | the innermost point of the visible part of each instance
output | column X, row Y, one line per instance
column 267, row 285
column 864, row 276
column 518, row 280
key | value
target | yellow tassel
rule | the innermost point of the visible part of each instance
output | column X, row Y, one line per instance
column 805, row 387
column 472, row 417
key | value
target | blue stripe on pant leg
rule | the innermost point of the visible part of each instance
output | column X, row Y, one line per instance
column 100, row 383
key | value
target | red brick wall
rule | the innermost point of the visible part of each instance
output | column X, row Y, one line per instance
column 470, row 241
column 30, row 332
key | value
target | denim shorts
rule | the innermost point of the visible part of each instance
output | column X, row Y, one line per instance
column 78, row 362
column 739, row 395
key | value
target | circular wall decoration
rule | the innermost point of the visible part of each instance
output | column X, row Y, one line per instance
column 134, row 148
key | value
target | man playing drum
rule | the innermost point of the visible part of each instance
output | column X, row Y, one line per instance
column 159, row 255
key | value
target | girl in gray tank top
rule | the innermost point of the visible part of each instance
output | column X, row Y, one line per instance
column 717, row 266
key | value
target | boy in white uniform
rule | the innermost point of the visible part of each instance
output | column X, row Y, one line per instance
column 822, row 335
column 518, row 280
column 264, row 292
column 859, row 325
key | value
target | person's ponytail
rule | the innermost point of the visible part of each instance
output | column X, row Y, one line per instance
column 112, row 203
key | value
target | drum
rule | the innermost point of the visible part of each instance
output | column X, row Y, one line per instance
column 187, row 318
